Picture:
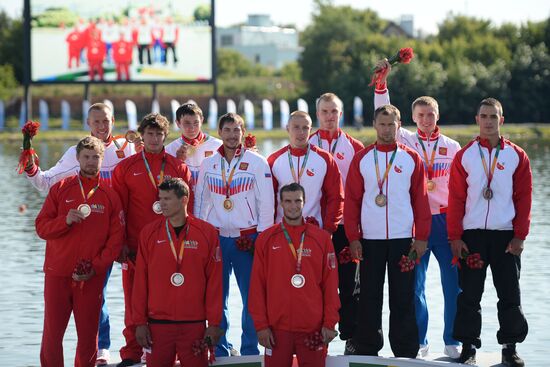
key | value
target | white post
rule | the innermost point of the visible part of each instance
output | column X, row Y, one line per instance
column 174, row 105
column 249, row 114
column 231, row 106
column 285, row 113
column 65, row 115
column 131, row 114
column 267, row 113
column 85, row 107
column 212, row 114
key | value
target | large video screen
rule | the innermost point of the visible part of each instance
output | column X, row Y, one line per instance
column 121, row 41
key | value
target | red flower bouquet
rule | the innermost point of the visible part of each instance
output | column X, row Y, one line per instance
column 473, row 261
column 403, row 56
column 245, row 243
column 204, row 346
column 82, row 267
column 314, row 341
column 312, row 220
column 408, row 262
column 250, row 141
column 29, row 130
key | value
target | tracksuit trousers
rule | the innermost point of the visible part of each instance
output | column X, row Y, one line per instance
column 505, row 268
column 368, row 337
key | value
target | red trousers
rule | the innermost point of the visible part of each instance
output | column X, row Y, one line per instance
column 61, row 297
column 132, row 350
column 171, row 339
column 95, row 68
column 287, row 344
column 122, row 71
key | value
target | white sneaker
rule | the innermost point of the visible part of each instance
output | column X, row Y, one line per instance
column 144, row 357
column 423, row 350
column 103, row 357
column 452, row 351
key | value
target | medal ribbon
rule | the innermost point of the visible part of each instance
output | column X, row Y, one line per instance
column 388, row 167
column 177, row 256
column 230, row 179
column 90, row 193
column 194, row 147
column 320, row 143
column 488, row 173
column 161, row 178
column 298, row 256
column 429, row 163
column 115, row 142
column 302, row 169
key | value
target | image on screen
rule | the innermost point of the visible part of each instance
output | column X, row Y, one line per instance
column 121, row 41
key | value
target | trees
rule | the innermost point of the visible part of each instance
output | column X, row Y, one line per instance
column 469, row 59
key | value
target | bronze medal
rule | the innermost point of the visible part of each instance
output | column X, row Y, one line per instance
column 381, row 200
column 298, row 280
column 85, row 210
column 431, row 185
column 487, row 193
column 156, row 207
column 177, row 279
column 228, row 204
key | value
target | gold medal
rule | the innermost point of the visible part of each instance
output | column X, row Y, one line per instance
column 431, row 185
column 85, row 210
column 228, row 204
column 177, row 279
column 487, row 193
column 156, row 207
column 298, row 280
column 380, row 200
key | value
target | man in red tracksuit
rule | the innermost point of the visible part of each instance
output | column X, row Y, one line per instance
column 75, row 44
column 82, row 221
column 96, row 53
column 122, row 55
column 179, row 263
column 136, row 180
column 294, row 287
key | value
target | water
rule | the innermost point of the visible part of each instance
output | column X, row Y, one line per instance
column 22, row 256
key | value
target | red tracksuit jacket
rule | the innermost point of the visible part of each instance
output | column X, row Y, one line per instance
column 98, row 238
column 273, row 301
column 136, row 191
column 200, row 295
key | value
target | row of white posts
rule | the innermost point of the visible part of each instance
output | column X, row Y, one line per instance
column 212, row 119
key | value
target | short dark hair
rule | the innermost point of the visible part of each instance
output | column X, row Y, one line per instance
column 92, row 143
column 176, row 184
column 491, row 102
column 292, row 187
column 156, row 121
column 387, row 110
column 229, row 118
column 188, row 109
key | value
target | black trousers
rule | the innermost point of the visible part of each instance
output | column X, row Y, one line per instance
column 368, row 337
column 505, row 268
column 141, row 49
column 170, row 46
column 346, row 285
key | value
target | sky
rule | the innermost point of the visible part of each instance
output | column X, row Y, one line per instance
column 427, row 13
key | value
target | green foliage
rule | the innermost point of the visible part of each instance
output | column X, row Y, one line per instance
column 11, row 44
column 8, row 83
column 55, row 17
column 231, row 63
column 202, row 13
column 469, row 59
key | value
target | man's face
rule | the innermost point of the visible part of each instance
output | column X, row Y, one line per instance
column 426, row 118
column 298, row 129
column 101, row 123
column 90, row 162
column 386, row 127
column 489, row 119
column 329, row 114
column 170, row 203
column 153, row 139
column 292, row 203
column 190, row 125
column 231, row 134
